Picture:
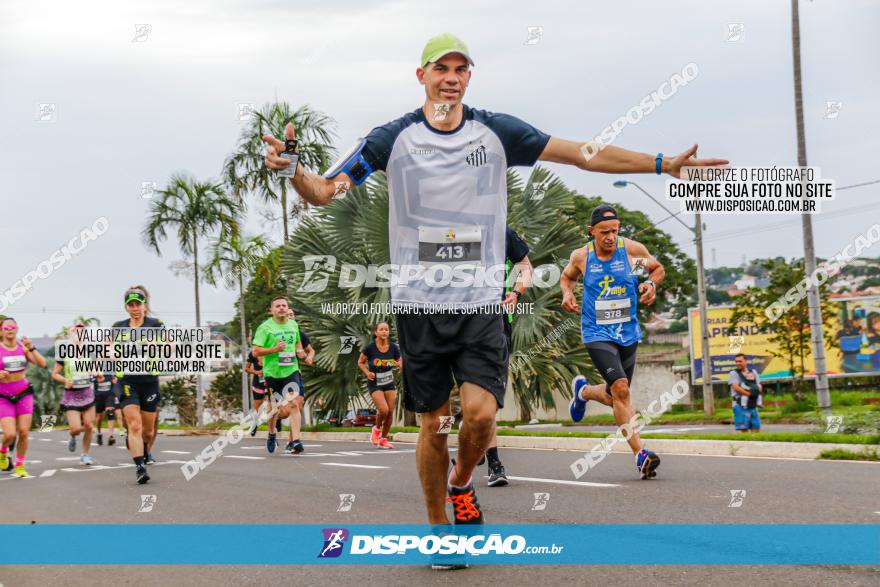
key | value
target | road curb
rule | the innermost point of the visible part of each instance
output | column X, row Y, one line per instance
column 793, row 450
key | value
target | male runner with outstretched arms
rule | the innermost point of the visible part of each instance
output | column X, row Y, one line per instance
column 446, row 165
column 609, row 320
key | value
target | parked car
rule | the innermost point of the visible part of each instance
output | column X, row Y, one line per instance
column 360, row 418
column 328, row 418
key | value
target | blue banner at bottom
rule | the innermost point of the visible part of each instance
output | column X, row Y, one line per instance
column 506, row 544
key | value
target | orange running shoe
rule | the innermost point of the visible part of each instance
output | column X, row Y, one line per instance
column 375, row 436
column 466, row 505
column 383, row 443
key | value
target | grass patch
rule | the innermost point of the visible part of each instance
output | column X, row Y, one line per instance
column 751, row 437
column 839, row 454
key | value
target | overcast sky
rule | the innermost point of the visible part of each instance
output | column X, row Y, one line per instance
column 128, row 112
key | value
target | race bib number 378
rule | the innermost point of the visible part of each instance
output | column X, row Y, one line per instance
column 613, row 311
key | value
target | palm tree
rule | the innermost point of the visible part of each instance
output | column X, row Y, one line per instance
column 195, row 210
column 234, row 259
column 547, row 349
column 87, row 322
column 245, row 172
column 345, row 231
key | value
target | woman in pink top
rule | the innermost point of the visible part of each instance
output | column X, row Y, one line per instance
column 16, row 394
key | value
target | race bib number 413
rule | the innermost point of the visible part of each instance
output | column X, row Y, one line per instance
column 456, row 244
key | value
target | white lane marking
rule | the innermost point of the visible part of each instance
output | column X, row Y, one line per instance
column 176, row 452
column 562, row 481
column 67, row 459
column 48, row 473
column 355, row 466
column 45, row 439
column 308, row 454
column 243, row 457
column 89, row 468
column 348, row 453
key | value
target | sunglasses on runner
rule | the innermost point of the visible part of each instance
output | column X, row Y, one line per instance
column 9, row 327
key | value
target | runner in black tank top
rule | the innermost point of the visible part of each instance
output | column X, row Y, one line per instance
column 378, row 361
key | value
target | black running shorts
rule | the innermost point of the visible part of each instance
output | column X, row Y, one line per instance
column 613, row 361
column 105, row 401
column 441, row 349
column 293, row 383
column 144, row 394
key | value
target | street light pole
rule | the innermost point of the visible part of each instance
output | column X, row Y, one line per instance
column 823, row 397
column 708, row 395
column 697, row 229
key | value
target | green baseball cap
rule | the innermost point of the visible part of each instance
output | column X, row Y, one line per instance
column 444, row 44
column 135, row 295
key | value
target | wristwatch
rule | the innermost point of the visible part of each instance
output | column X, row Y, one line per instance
column 518, row 294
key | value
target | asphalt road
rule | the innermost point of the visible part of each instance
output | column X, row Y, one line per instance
column 247, row 485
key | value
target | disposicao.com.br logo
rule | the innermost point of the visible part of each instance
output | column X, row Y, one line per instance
column 430, row 544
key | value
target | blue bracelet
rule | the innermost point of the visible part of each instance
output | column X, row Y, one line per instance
column 658, row 163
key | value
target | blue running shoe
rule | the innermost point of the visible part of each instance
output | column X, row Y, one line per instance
column 578, row 407
column 647, row 463
column 270, row 444
column 71, row 443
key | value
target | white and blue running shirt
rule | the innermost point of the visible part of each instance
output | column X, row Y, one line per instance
column 448, row 202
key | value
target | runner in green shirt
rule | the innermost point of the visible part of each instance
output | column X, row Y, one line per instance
column 278, row 341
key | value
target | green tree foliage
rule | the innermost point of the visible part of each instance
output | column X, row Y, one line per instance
column 791, row 332
column 181, row 392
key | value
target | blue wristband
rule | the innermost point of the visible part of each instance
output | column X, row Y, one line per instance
column 658, row 163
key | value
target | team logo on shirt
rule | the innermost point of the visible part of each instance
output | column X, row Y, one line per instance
column 384, row 362
column 477, row 157
column 607, row 290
